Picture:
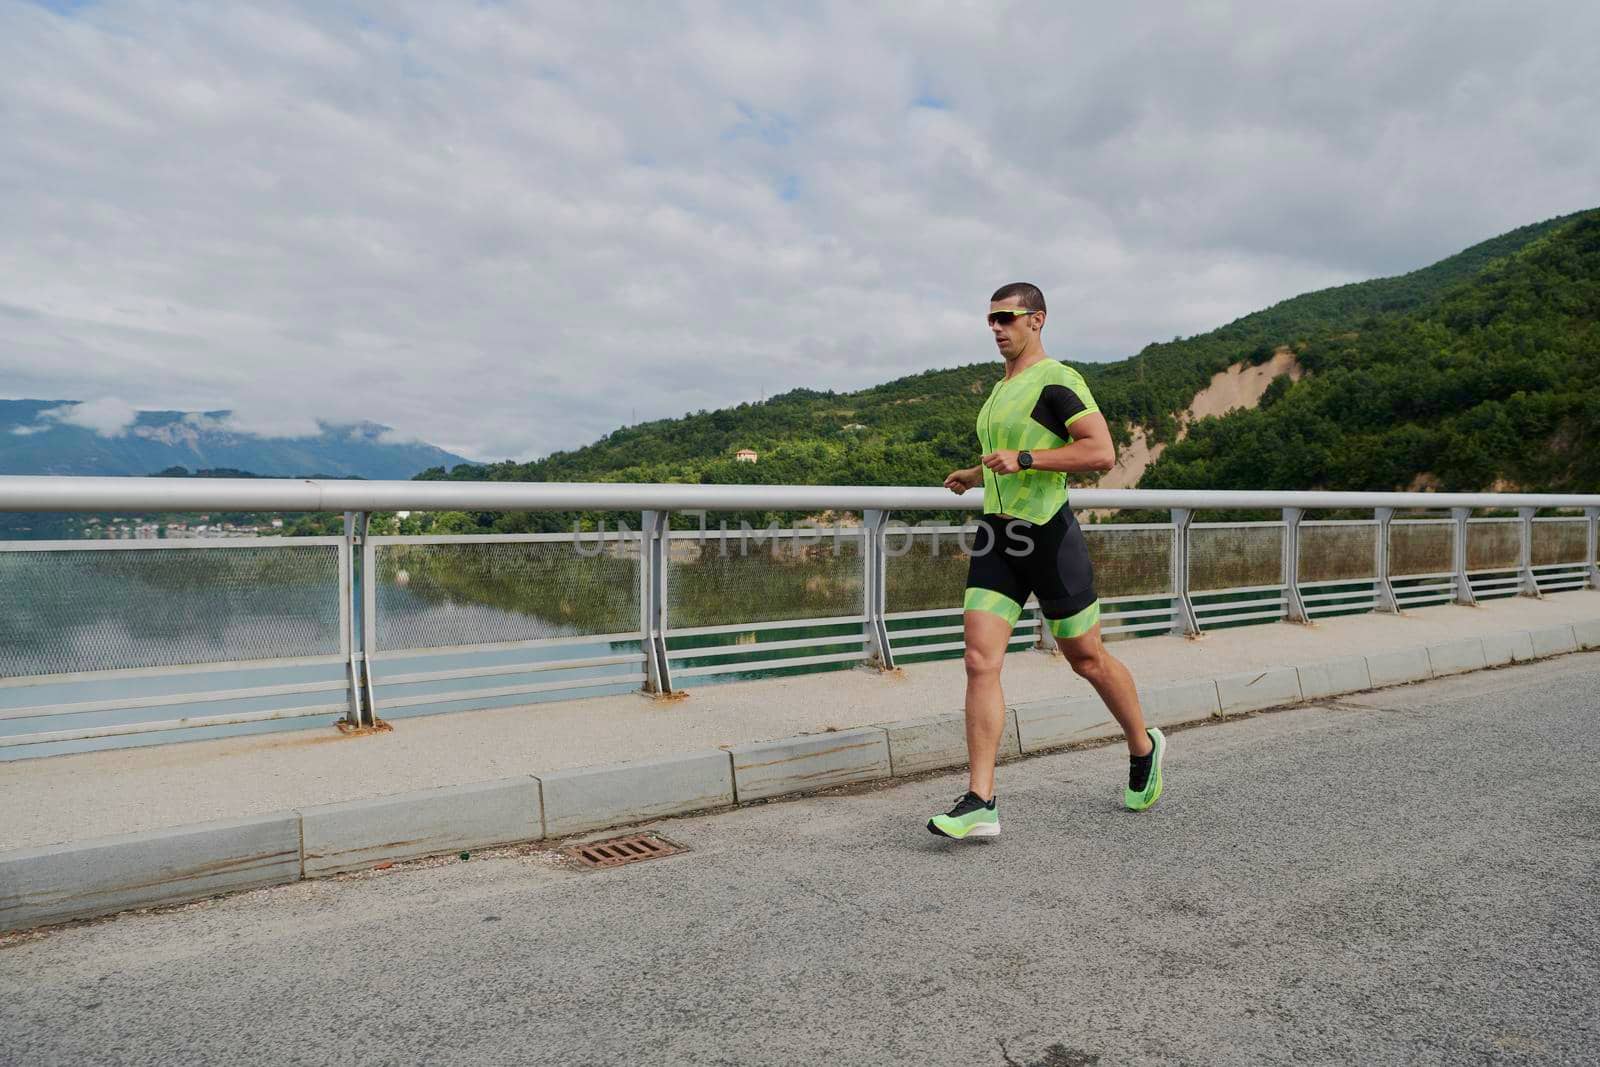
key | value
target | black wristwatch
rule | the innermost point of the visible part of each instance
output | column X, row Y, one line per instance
column 1025, row 460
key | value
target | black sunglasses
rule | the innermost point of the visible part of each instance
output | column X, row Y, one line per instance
column 1008, row 316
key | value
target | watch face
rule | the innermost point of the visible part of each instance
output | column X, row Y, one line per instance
column 1025, row 458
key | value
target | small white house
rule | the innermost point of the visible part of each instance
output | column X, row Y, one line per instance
column 745, row 455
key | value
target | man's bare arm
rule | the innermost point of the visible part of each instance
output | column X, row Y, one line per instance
column 1091, row 449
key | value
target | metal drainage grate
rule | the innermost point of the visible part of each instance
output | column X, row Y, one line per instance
column 615, row 851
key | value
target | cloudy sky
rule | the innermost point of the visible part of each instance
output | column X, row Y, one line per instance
column 508, row 228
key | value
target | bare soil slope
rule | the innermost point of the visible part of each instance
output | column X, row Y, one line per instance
column 1240, row 386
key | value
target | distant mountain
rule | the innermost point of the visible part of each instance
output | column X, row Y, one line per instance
column 33, row 442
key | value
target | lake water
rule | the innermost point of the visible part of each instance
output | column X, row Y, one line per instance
column 104, row 623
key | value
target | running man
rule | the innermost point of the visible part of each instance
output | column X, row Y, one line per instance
column 1039, row 422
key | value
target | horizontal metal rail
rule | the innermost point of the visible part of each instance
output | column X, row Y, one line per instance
column 1235, row 590
column 591, row 536
column 1224, row 605
column 411, row 701
column 50, row 493
column 85, row 733
column 951, row 646
column 84, row 707
column 932, row 631
column 930, row 613
column 748, row 627
column 1144, row 628
column 1356, row 594
column 819, row 534
column 1143, row 613
column 177, row 671
column 702, row 651
column 503, row 646
column 509, row 668
column 163, row 544
column 767, row 664
column 1355, row 580
column 1242, row 617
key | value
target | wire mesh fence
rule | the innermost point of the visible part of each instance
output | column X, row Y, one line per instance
column 88, row 608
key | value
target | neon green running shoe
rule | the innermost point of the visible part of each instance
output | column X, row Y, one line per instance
column 1144, row 774
column 971, row 817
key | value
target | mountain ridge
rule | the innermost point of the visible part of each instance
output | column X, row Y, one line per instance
column 35, row 441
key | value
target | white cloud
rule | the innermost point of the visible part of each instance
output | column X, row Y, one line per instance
column 506, row 228
column 108, row 416
column 260, row 421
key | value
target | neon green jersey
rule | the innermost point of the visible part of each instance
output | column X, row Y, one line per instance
column 1031, row 411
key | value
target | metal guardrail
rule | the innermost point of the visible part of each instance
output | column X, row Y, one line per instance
column 106, row 639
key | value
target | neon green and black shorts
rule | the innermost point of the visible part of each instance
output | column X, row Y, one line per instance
column 1011, row 558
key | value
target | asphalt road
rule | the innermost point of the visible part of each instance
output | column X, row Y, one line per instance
column 1405, row 877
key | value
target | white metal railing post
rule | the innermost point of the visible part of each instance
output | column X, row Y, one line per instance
column 645, row 613
column 876, row 648
column 349, row 636
column 1296, row 607
column 361, row 635
column 1530, row 584
column 1184, row 621
column 369, row 617
column 653, row 539
column 1458, row 561
column 1593, row 551
column 1388, row 603
column 1042, row 639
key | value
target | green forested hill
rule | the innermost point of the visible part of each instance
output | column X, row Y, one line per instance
column 1480, row 367
column 1496, row 379
column 1151, row 387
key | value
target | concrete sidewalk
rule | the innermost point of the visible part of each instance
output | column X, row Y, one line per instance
column 91, row 795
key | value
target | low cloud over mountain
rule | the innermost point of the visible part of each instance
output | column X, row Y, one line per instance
column 108, row 437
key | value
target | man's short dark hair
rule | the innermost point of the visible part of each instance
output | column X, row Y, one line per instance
column 1024, row 293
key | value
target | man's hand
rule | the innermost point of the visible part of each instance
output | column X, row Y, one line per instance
column 960, row 481
column 1002, row 462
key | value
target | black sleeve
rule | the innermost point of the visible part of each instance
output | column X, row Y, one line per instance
column 1057, row 405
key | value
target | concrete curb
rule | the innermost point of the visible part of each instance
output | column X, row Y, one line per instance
column 1553, row 641
column 1457, row 657
column 39, row 886
column 1399, row 667
column 1587, row 633
column 1335, row 677
column 935, row 742
column 1255, row 690
column 351, row 836
column 1499, row 650
column 85, row 879
column 592, row 798
column 809, row 763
